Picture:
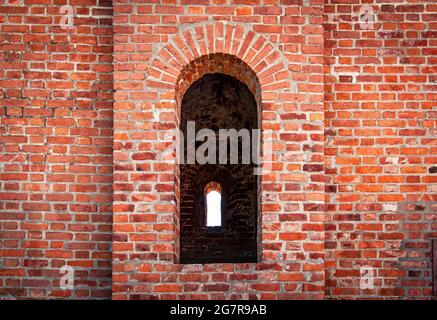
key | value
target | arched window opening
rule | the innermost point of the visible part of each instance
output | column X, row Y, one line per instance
column 219, row 197
column 213, row 200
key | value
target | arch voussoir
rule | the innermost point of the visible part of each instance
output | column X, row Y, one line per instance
column 201, row 39
column 219, row 37
column 271, row 71
column 178, row 58
column 165, row 67
column 246, row 43
column 210, row 39
column 258, row 61
column 191, row 44
column 229, row 32
column 272, row 57
column 181, row 44
column 238, row 34
column 165, row 56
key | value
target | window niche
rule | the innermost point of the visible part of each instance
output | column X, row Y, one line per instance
column 218, row 101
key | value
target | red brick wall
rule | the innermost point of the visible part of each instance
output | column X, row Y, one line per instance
column 380, row 148
column 353, row 176
column 55, row 149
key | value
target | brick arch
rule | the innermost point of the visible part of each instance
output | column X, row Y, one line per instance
column 217, row 63
column 219, row 42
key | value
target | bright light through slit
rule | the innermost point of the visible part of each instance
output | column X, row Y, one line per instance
column 213, row 209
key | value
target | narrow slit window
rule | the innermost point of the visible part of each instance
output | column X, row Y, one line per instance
column 213, row 209
column 213, row 200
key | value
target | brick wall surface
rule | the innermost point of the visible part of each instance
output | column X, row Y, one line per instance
column 87, row 112
column 56, row 148
column 380, row 147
